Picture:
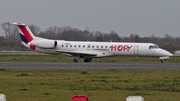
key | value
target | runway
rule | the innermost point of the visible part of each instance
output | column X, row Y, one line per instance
column 88, row 66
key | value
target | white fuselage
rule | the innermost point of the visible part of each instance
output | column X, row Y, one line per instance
column 88, row 49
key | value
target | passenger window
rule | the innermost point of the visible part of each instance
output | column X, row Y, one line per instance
column 92, row 46
column 101, row 46
column 79, row 46
column 97, row 46
column 106, row 47
column 74, row 45
column 70, row 45
column 62, row 46
column 66, row 45
column 83, row 46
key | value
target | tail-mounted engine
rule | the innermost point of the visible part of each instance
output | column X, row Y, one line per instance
column 46, row 44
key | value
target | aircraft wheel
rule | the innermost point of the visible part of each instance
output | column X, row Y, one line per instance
column 87, row 60
column 160, row 61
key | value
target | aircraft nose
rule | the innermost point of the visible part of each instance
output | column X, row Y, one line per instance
column 166, row 53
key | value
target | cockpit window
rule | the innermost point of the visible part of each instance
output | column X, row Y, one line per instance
column 153, row 47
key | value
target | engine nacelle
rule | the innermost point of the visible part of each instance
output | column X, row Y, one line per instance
column 47, row 44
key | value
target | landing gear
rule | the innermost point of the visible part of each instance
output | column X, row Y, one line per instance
column 160, row 61
column 75, row 60
column 88, row 60
column 85, row 60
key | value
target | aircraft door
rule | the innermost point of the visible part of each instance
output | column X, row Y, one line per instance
column 136, row 52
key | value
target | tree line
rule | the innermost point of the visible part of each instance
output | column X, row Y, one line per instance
column 11, row 39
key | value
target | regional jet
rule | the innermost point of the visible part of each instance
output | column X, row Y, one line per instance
column 86, row 49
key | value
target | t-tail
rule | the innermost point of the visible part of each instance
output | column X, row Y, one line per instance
column 32, row 42
column 26, row 35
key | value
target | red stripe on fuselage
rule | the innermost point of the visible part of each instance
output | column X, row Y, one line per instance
column 26, row 33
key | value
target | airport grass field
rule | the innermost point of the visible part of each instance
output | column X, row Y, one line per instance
column 63, row 58
column 106, row 85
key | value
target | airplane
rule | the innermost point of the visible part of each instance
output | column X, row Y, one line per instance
column 87, row 49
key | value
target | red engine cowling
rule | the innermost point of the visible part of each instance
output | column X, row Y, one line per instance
column 47, row 44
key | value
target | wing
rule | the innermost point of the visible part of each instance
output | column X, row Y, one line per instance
column 79, row 53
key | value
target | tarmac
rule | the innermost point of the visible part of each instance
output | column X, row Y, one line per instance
column 88, row 66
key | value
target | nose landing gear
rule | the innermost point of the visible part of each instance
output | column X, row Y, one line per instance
column 160, row 61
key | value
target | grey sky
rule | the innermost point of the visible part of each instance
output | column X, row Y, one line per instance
column 142, row 17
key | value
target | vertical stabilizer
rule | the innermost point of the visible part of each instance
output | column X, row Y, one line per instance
column 25, row 33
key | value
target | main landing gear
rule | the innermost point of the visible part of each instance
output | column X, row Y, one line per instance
column 76, row 60
column 88, row 60
column 85, row 60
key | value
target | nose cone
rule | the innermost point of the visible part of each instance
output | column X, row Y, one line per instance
column 165, row 53
column 162, row 53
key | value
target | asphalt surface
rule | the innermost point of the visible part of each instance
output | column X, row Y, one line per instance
column 88, row 66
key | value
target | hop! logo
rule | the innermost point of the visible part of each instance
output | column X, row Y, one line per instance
column 121, row 47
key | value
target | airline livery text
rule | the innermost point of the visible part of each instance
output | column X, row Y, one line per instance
column 121, row 47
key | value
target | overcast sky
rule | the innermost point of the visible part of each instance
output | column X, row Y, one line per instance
column 142, row 17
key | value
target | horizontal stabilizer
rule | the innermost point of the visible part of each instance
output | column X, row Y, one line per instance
column 16, row 23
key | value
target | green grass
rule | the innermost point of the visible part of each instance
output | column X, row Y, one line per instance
column 62, row 58
column 34, row 58
column 107, row 85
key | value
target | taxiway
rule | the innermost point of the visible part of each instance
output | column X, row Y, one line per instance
column 88, row 66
